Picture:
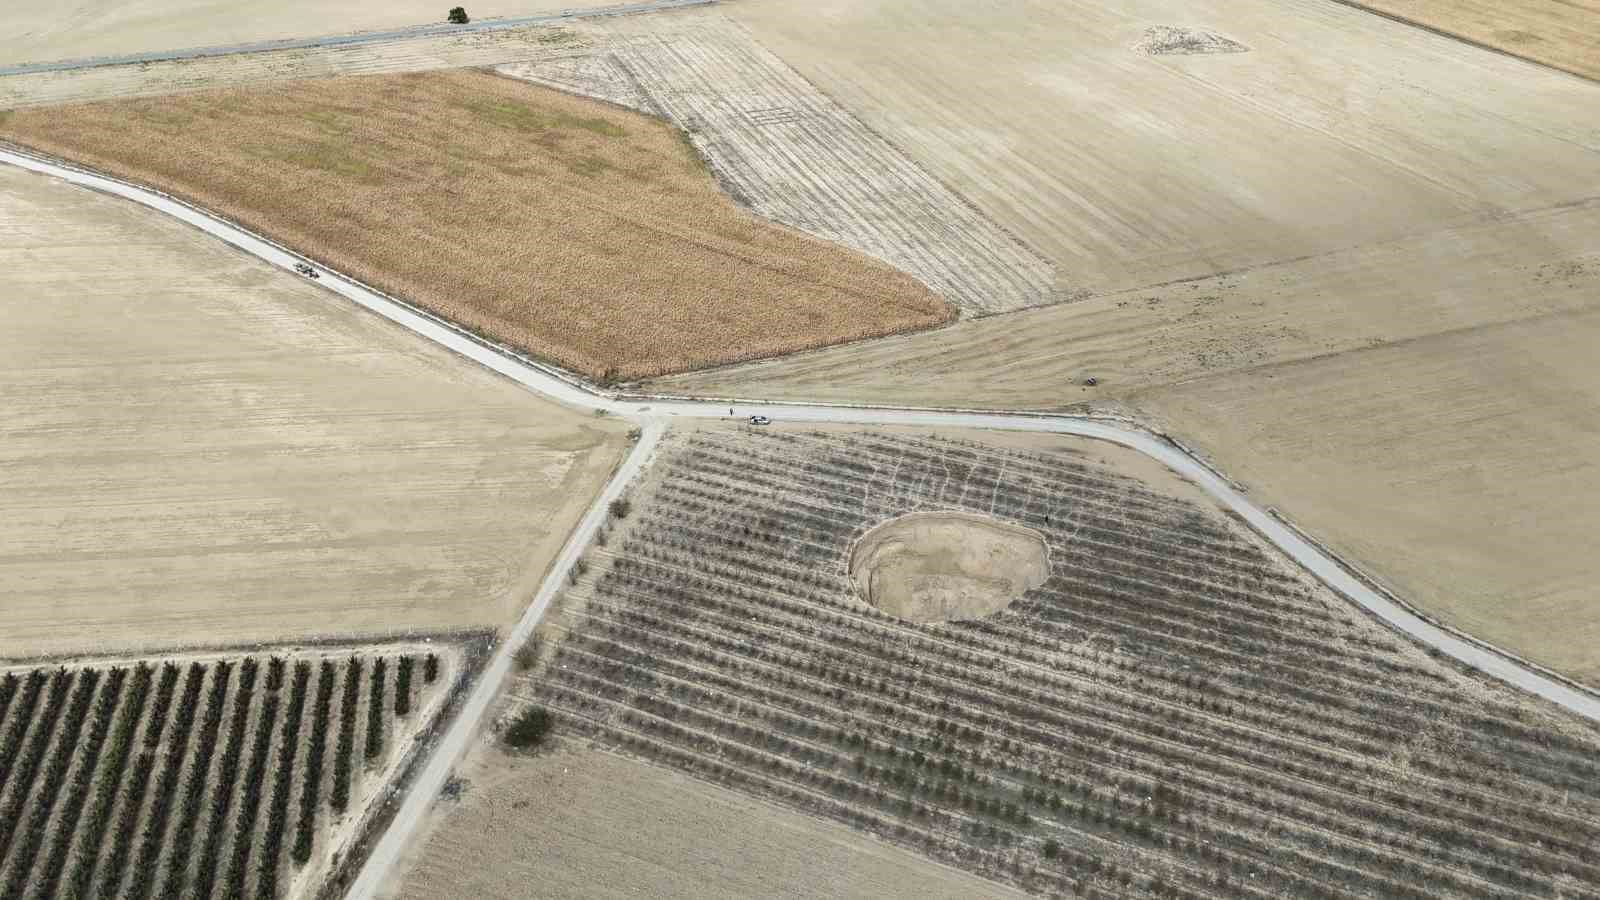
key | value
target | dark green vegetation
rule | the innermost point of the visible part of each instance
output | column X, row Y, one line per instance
column 527, row 731
column 1171, row 714
column 195, row 779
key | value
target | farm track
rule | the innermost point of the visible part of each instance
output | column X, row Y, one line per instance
column 1539, row 867
column 109, row 788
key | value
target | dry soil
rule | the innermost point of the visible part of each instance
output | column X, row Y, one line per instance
column 583, row 233
column 83, row 28
column 200, row 448
column 581, row 822
column 1372, row 249
column 1560, row 33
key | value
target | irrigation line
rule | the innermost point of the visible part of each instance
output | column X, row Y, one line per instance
column 653, row 415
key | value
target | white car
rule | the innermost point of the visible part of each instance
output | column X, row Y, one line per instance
column 305, row 270
column 760, row 420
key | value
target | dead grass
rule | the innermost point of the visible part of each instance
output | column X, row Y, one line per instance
column 585, row 234
column 1560, row 33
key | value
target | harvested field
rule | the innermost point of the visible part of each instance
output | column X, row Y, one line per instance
column 587, row 235
column 82, row 28
column 255, row 69
column 793, row 155
column 205, row 775
column 1559, row 33
column 1175, row 712
column 581, row 822
column 1422, row 196
column 199, row 447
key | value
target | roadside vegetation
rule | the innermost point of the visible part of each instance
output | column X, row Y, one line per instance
column 575, row 231
column 1173, row 713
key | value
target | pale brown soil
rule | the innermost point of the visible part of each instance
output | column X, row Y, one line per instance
column 585, row 234
column 1372, row 249
column 580, row 822
column 946, row 566
column 198, row 447
column 80, row 28
column 178, row 76
column 1560, row 33
column 1264, row 738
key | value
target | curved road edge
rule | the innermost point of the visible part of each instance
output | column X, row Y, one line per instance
column 653, row 415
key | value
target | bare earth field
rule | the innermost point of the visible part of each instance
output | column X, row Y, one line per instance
column 582, row 233
column 184, row 75
column 585, row 822
column 1175, row 711
column 197, row 448
column 791, row 154
column 1403, row 227
column 84, row 28
column 1560, row 33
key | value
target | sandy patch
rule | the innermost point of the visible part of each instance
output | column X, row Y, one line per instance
column 947, row 566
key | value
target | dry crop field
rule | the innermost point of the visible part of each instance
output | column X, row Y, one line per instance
column 225, row 775
column 85, row 28
column 587, row 235
column 448, row 51
column 197, row 447
column 585, row 822
column 1356, row 265
column 794, row 156
column 1560, row 33
column 1174, row 712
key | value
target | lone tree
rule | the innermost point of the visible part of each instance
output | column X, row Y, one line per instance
column 458, row 16
column 529, row 728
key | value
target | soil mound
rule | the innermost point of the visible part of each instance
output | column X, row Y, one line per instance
column 947, row 566
column 1165, row 40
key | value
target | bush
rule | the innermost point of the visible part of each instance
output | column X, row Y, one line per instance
column 620, row 507
column 1052, row 848
column 527, row 654
column 529, row 728
column 457, row 16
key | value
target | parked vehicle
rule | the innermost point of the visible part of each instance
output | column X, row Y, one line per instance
column 306, row 270
column 760, row 420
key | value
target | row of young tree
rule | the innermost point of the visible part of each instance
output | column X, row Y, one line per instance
column 186, row 780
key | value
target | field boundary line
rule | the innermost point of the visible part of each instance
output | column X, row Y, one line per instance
column 348, row 40
column 1462, row 39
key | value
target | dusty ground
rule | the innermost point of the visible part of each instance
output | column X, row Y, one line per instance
column 1560, row 33
column 580, row 822
column 791, row 154
column 946, row 566
column 183, row 75
column 197, row 447
column 1389, row 251
column 81, row 28
column 585, row 234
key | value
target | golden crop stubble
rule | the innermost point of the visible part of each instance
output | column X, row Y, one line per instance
column 585, row 234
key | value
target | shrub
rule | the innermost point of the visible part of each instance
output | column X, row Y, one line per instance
column 529, row 728
column 527, row 654
column 1052, row 848
column 620, row 507
column 457, row 16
